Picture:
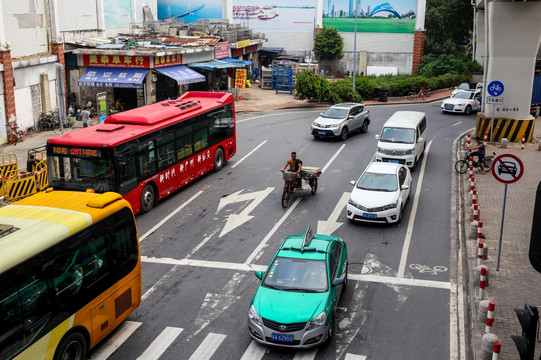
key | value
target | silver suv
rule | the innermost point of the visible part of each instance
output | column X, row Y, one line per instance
column 340, row 120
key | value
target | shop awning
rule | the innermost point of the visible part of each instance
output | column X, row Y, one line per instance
column 272, row 49
column 216, row 64
column 237, row 61
column 113, row 77
column 182, row 74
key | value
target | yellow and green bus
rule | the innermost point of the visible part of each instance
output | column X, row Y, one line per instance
column 70, row 273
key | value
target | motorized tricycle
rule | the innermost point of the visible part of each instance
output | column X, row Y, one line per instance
column 306, row 180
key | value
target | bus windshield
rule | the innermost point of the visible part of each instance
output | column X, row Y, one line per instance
column 82, row 173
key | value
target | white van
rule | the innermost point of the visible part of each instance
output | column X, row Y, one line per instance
column 403, row 138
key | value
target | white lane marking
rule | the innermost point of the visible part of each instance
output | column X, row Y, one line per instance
column 106, row 349
column 354, row 357
column 160, row 344
column 350, row 320
column 407, row 240
column 332, row 158
column 258, row 250
column 235, row 220
column 458, row 123
column 389, row 280
column 255, row 351
column 208, row 347
column 159, row 283
column 205, row 263
column 200, row 245
column 165, row 219
column 247, row 267
column 327, row 227
column 305, row 355
column 250, row 153
column 273, row 114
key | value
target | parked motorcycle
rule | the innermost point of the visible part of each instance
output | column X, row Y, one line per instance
column 45, row 122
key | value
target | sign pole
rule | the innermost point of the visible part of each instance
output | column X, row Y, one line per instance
column 501, row 228
column 492, row 121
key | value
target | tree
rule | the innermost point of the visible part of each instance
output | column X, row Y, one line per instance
column 328, row 44
column 448, row 26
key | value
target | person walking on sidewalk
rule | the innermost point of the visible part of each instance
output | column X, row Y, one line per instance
column 480, row 153
column 85, row 114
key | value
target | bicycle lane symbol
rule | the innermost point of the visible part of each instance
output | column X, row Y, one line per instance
column 495, row 88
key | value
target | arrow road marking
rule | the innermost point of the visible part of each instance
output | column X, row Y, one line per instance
column 331, row 225
column 236, row 220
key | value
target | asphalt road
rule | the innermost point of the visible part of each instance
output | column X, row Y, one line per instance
column 200, row 247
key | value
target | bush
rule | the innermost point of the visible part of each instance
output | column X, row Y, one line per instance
column 311, row 86
column 433, row 65
column 342, row 91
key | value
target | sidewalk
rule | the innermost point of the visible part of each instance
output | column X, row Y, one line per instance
column 516, row 282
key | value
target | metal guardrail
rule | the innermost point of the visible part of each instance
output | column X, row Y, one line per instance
column 16, row 183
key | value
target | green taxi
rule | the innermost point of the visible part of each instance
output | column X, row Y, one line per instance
column 295, row 303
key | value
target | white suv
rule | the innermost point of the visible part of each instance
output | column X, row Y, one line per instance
column 340, row 120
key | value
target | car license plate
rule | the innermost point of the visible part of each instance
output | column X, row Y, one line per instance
column 369, row 216
column 448, row 107
column 282, row 337
column 321, row 133
column 393, row 161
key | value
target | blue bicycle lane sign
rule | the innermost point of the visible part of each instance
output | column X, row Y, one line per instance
column 495, row 88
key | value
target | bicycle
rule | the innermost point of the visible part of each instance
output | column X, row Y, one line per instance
column 412, row 95
column 462, row 165
column 16, row 135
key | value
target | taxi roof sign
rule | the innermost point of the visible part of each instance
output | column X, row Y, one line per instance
column 308, row 236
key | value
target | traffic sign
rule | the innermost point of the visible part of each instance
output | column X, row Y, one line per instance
column 494, row 100
column 507, row 168
column 495, row 88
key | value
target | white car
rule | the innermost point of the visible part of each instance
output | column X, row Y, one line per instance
column 467, row 86
column 380, row 193
column 464, row 101
column 340, row 120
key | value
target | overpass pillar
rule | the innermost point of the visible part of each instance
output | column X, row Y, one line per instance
column 514, row 36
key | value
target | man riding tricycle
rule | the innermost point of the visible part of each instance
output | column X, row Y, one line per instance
column 297, row 176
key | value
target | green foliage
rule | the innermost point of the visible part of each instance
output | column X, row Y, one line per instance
column 312, row 86
column 474, row 67
column 433, row 65
column 448, row 26
column 342, row 91
column 328, row 44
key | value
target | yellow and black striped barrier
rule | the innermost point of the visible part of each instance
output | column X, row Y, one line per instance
column 42, row 179
column 8, row 165
column 511, row 129
column 19, row 187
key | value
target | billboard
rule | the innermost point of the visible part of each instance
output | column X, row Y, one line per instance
column 280, row 16
column 117, row 13
column 189, row 10
column 375, row 16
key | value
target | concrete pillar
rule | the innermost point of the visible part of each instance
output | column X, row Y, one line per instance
column 512, row 62
column 9, row 85
column 58, row 50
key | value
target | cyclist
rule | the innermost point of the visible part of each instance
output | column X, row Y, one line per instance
column 295, row 166
column 480, row 153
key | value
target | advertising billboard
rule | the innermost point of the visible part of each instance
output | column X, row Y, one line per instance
column 374, row 16
column 280, row 16
column 189, row 11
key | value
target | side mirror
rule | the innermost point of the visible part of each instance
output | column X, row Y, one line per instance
column 337, row 281
column 404, row 187
column 258, row 274
column 377, row 136
column 352, row 182
column 420, row 140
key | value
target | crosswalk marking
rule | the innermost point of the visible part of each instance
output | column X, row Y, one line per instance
column 208, row 347
column 305, row 355
column 107, row 349
column 161, row 343
column 255, row 351
column 354, row 357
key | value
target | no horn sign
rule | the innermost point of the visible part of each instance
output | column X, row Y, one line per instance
column 507, row 168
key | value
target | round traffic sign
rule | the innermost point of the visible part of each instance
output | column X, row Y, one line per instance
column 495, row 88
column 507, row 168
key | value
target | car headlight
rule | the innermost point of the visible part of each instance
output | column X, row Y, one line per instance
column 317, row 321
column 358, row 206
column 410, row 151
column 254, row 316
column 380, row 149
column 334, row 126
column 390, row 206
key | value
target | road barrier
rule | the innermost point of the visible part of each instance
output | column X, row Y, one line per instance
column 479, row 252
column 482, row 280
column 20, row 186
column 496, row 351
column 510, row 129
column 490, row 317
column 8, row 165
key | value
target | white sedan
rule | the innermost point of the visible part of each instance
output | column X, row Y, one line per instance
column 463, row 101
column 380, row 193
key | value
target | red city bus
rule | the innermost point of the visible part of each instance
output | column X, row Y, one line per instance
column 149, row 152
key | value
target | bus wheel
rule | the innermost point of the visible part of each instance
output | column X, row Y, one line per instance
column 218, row 160
column 147, row 198
column 72, row 347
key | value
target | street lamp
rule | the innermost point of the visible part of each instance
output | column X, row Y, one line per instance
column 357, row 4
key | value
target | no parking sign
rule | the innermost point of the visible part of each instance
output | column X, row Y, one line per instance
column 507, row 168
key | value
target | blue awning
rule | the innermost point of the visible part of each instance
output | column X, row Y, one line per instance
column 216, row 64
column 113, row 77
column 237, row 61
column 182, row 74
column 272, row 49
